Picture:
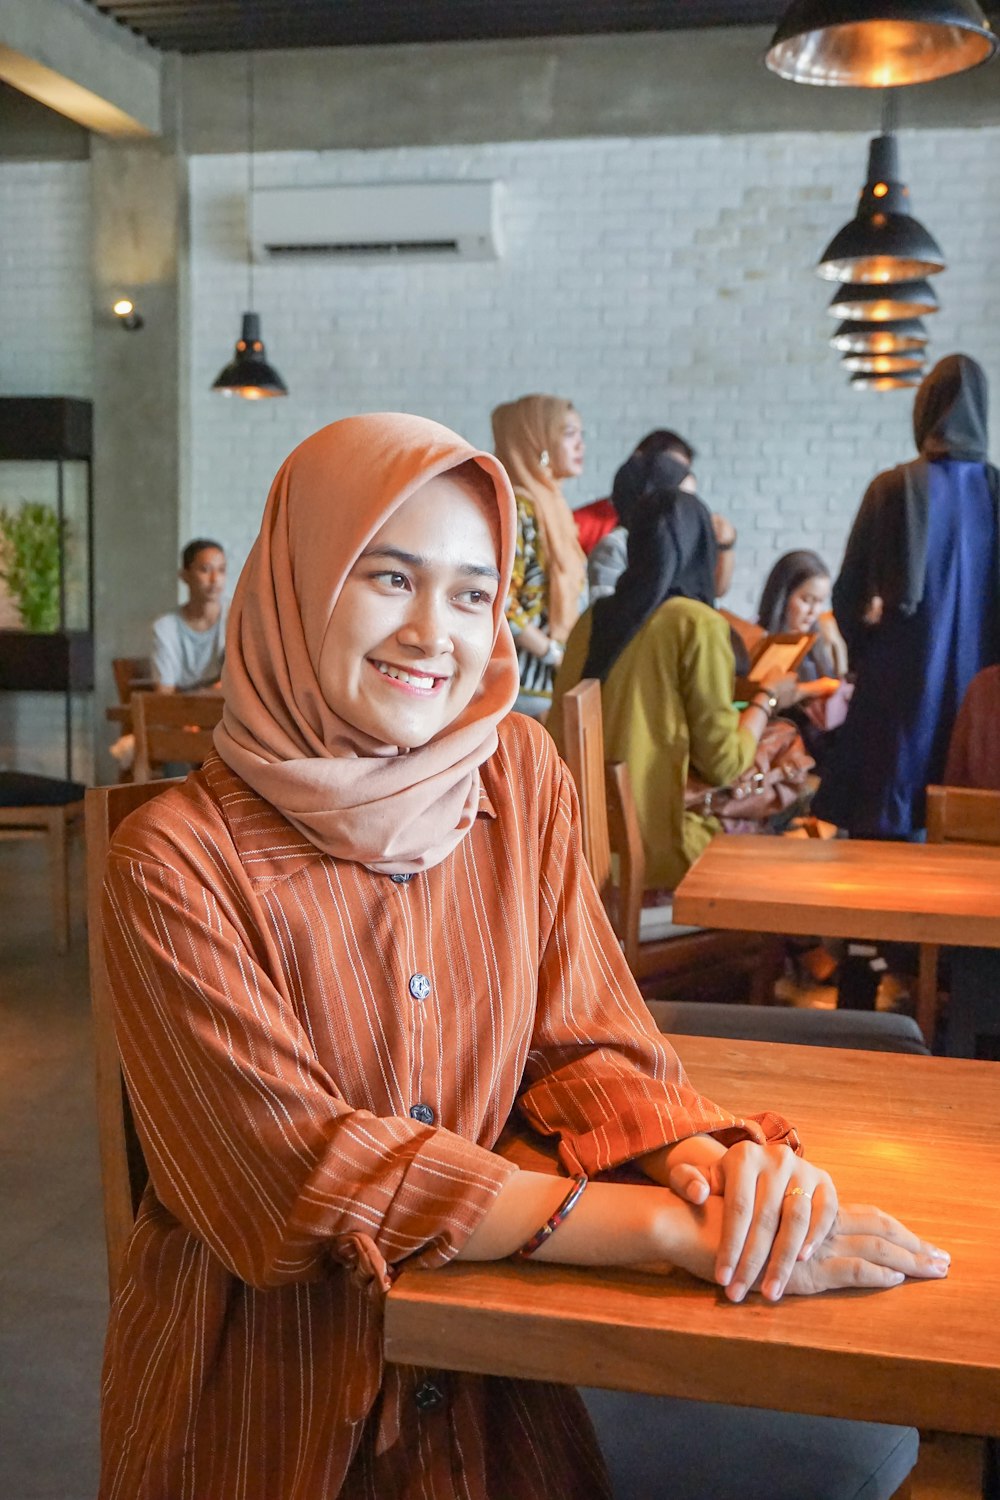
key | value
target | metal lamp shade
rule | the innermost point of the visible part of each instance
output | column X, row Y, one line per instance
column 879, row 44
column 886, row 382
column 884, row 364
column 248, row 373
column 875, row 303
column 903, row 335
column 883, row 242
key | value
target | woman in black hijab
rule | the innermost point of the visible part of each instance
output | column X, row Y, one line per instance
column 665, row 664
column 918, row 602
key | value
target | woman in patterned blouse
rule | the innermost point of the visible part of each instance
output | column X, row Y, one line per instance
column 358, row 966
column 539, row 441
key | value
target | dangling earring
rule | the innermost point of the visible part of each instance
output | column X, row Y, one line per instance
column 543, row 458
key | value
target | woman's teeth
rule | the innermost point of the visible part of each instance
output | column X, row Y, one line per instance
column 412, row 679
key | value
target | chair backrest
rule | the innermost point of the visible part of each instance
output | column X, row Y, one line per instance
column 123, row 1169
column 132, row 674
column 961, row 815
column 626, row 841
column 171, row 728
column 583, row 745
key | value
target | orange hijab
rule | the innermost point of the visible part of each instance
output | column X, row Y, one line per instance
column 396, row 811
column 522, row 431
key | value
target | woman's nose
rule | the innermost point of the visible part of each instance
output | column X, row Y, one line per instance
column 426, row 627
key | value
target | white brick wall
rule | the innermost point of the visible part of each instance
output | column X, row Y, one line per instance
column 45, row 298
column 45, row 350
column 657, row 282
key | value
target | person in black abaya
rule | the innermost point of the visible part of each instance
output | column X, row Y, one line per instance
column 918, row 602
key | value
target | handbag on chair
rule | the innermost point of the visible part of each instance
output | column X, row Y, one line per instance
column 775, row 780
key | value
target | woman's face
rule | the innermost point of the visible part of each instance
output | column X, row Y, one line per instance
column 412, row 630
column 567, row 461
column 806, row 604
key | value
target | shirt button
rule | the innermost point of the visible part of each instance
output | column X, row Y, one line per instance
column 428, row 1396
column 423, row 1113
column 400, row 879
column 420, row 986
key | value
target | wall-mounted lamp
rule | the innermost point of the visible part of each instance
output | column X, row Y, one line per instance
column 127, row 314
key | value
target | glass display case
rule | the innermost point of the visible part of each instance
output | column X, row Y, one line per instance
column 46, row 548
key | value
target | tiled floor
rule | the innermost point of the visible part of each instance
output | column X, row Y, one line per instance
column 52, row 1290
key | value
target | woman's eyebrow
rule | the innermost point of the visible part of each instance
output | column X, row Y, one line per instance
column 416, row 560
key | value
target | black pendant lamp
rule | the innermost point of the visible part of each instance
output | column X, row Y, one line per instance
column 248, row 373
column 876, row 303
column 877, row 44
column 884, row 364
column 900, row 336
column 886, row 382
column 883, row 242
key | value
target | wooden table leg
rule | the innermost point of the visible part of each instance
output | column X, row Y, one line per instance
column 58, row 829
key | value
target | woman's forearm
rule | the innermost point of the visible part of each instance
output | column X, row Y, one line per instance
column 612, row 1224
column 529, row 638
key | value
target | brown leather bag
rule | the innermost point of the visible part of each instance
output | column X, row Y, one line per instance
column 776, row 779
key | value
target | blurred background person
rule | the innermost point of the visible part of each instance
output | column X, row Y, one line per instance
column 663, row 656
column 539, row 441
column 189, row 642
column 918, row 602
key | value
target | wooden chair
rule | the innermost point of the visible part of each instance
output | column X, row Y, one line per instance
column 955, row 815
column 132, row 674
column 123, row 1168
column 172, row 728
column 44, row 807
column 686, row 962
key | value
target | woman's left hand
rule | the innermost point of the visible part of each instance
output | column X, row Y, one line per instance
column 777, row 1208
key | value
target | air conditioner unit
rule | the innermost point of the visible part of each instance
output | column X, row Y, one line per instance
column 412, row 221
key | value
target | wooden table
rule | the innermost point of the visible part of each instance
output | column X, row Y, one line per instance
column 852, row 888
column 917, row 1135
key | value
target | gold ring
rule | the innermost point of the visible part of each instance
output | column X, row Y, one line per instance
column 798, row 1192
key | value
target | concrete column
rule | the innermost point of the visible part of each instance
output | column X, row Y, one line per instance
column 139, row 245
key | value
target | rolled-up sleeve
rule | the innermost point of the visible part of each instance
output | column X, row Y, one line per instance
column 249, row 1142
column 600, row 1077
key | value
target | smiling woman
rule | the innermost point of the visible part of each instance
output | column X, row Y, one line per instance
column 353, row 960
column 412, row 631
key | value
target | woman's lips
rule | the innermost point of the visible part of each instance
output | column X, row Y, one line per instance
column 421, row 684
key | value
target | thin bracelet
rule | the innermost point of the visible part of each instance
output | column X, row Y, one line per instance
column 769, row 707
column 550, row 1226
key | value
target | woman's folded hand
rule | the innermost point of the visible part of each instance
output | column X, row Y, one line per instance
column 866, row 1248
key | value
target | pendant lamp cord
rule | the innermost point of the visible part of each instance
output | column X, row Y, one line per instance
column 890, row 111
column 251, row 138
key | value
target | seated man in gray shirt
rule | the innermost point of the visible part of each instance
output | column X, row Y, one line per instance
column 189, row 642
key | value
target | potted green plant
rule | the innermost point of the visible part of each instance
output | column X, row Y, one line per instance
column 29, row 563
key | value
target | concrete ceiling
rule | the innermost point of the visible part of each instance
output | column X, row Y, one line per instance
column 238, row 25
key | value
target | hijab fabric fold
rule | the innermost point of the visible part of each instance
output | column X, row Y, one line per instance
column 394, row 810
column 671, row 552
column 523, row 431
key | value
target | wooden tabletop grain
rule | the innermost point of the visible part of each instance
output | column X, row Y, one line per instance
column 916, row 1135
column 918, row 893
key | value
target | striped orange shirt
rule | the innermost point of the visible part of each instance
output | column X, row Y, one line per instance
column 321, row 1062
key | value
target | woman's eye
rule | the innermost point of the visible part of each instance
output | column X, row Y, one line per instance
column 477, row 596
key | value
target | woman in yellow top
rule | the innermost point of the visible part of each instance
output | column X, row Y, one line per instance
column 663, row 657
column 539, row 441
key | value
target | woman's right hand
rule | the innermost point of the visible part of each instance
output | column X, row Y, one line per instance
column 867, row 1248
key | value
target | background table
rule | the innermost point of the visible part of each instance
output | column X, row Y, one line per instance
column 917, row 1135
column 852, row 888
